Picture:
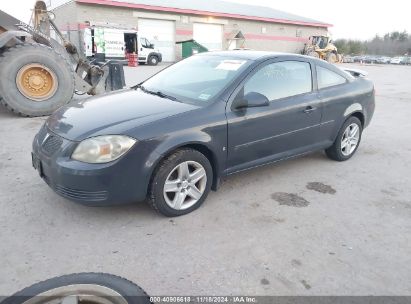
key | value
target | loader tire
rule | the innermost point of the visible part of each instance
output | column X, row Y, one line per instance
column 313, row 54
column 35, row 80
column 331, row 58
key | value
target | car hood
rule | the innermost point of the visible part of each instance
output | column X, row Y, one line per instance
column 114, row 113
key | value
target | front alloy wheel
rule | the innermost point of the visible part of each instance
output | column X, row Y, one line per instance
column 185, row 185
column 153, row 60
column 181, row 183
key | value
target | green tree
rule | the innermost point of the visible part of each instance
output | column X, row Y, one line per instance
column 395, row 35
column 387, row 37
column 342, row 46
column 403, row 36
column 391, row 44
column 356, row 47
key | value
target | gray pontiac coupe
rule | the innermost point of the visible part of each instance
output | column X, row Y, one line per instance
column 171, row 138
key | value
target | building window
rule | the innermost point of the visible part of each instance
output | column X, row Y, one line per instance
column 263, row 30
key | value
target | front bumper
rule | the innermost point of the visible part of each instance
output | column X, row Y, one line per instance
column 119, row 182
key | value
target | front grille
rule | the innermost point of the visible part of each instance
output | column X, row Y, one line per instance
column 81, row 195
column 42, row 133
column 52, row 144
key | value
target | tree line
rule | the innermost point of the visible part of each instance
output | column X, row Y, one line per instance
column 391, row 44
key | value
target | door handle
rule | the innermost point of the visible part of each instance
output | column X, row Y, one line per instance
column 309, row 109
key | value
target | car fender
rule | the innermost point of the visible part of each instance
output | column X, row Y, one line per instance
column 353, row 108
column 177, row 141
column 350, row 110
column 196, row 140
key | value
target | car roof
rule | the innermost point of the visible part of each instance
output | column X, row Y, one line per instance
column 252, row 55
column 262, row 55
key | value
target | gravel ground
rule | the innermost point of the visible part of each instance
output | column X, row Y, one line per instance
column 307, row 226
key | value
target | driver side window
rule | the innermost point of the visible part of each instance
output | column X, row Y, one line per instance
column 281, row 79
column 144, row 42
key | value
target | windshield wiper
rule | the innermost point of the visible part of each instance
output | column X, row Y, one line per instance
column 162, row 95
column 138, row 86
column 157, row 93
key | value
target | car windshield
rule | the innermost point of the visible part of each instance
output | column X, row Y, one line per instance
column 196, row 80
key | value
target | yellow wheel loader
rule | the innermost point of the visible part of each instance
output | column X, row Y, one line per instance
column 323, row 48
column 39, row 74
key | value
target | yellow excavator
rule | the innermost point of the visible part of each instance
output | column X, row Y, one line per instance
column 323, row 48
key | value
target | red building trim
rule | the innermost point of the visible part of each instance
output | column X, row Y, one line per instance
column 73, row 26
column 184, row 32
column 197, row 12
column 269, row 37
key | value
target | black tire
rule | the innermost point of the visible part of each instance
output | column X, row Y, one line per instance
column 132, row 293
column 313, row 54
column 156, row 197
column 13, row 59
column 331, row 58
column 334, row 152
column 152, row 60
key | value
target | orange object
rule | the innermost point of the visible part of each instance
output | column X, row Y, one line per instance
column 132, row 60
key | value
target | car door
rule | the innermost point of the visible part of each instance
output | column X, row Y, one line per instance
column 288, row 125
column 336, row 99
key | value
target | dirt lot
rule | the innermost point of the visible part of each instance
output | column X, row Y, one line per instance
column 308, row 226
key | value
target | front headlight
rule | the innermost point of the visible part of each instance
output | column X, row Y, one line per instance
column 102, row 149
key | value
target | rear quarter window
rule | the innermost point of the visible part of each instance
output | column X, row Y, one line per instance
column 327, row 78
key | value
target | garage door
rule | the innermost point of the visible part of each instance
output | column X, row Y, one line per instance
column 209, row 35
column 161, row 33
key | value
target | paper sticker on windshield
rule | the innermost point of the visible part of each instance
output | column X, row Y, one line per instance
column 204, row 96
column 230, row 65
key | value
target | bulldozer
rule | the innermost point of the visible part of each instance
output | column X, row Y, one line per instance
column 39, row 74
column 323, row 48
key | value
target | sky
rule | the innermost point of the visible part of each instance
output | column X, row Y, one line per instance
column 356, row 19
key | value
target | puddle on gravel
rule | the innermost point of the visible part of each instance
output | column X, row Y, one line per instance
column 290, row 199
column 320, row 187
column 267, row 219
column 296, row 263
column 305, row 284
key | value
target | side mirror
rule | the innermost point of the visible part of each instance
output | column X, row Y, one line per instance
column 252, row 100
column 151, row 46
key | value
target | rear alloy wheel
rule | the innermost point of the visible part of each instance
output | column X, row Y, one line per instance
column 181, row 183
column 347, row 141
column 350, row 139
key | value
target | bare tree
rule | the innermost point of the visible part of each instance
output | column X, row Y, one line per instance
column 391, row 44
